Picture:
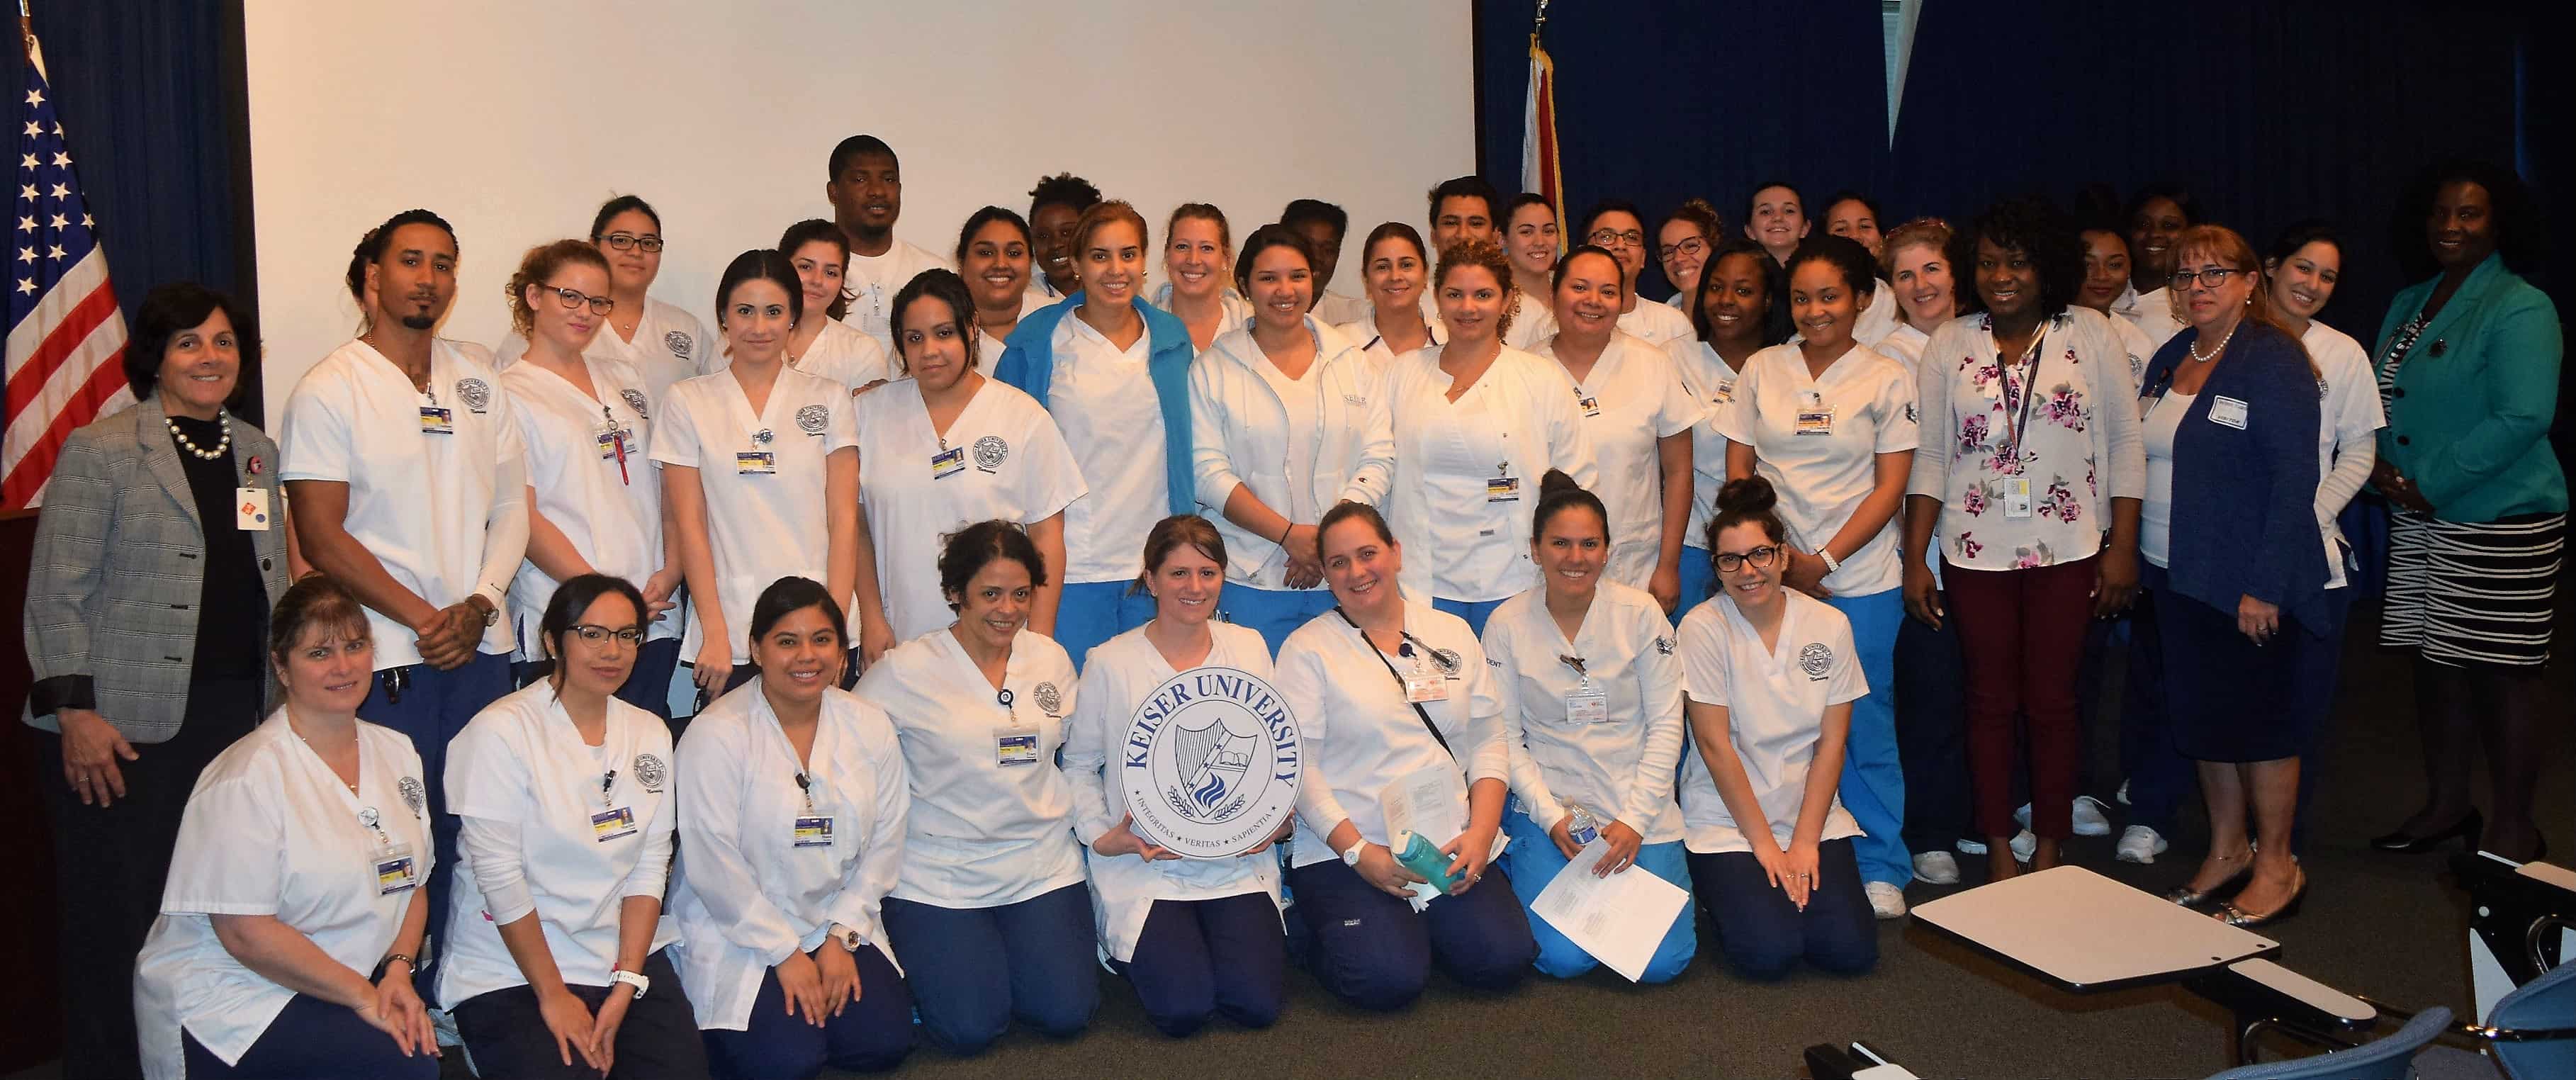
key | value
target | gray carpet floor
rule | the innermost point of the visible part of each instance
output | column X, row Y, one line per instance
column 2389, row 926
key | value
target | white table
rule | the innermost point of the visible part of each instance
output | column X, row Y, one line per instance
column 2087, row 933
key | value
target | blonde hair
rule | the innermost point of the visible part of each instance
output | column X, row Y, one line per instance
column 1933, row 233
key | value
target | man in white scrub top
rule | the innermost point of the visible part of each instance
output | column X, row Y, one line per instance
column 406, row 475
column 866, row 191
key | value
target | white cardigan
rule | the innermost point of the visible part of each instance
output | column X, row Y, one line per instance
column 1239, row 435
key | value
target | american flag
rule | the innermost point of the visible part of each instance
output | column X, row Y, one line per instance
column 66, row 336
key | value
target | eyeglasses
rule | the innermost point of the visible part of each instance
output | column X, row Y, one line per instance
column 573, row 298
column 630, row 241
column 1693, row 247
column 1729, row 562
column 1614, row 238
column 2213, row 277
column 597, row 635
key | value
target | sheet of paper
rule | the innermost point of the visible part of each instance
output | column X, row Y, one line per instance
column 1430, row 800
column 1619, row 919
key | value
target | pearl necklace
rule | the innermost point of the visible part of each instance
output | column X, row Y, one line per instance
column 188, row 446
column 2222, row 345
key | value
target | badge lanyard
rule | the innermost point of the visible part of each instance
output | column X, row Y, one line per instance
column 1406, row 648
column 2014, row 430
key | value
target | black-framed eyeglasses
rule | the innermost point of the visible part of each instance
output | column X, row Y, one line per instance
column 1616, row 238
column 598, row 635
column 573, row 298
column 630, row 241
column 2213, row 277
column 1693, row 247
column 1729, row 562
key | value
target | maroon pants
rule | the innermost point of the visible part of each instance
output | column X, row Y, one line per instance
column 2022, row 632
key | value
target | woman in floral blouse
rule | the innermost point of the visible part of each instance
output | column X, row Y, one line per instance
column 2031, row 467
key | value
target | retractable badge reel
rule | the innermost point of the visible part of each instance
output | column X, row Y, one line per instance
column 1014, row 744
column 810, row 829
column 1586, row 703
column 391, row 862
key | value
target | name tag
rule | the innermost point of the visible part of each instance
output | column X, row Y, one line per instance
column 1503, row 489
column 1587, row 707
column 755, row 462
column 1015, row 746
column 1816, row 420
column 2017, row 497
column 2228, row 411
column 437, row 420
column 615, row 824
column 1591, row 405
column 1424, row 686
column 948, row 463
column 250, row 509
column 612, row 443
column 813, row 832
column 394, row 870
column 1725, row 393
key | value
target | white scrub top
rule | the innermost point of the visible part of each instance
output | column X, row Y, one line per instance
column 1533, row 321
column 1904, row 344
column 2139, row 347
column 769, row 865
column 1818, row 439
column 1361, row 735
column 1775, row 703
column 1619, row 764
column 669, row 345
column 1002, row 459
column 762, row 526
column 592, row 825
column 1237, row 310
column 588, row 459
column 1880, row 317
column 846, row 356
column 1631, row 398
column 1103, row 400
column 2155, row 315
column 875, row 279
column 1710, row 385
column 2352, row 413
column 992, row 815
column 1298, row 445
column 1363, row 331
column 445, row 511
column 1654, row 323
column 271, row 830
column 1465, row 474
column 1336, row 309
column 1116, row 678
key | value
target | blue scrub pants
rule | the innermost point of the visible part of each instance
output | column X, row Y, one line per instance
column 871, row 1034
column 1763, row 935
column 1276, row 613
column 312, row 1039
column 1474, row 611
column 975, row 969
column 1093, row 612
column 430, row 706
column 1201, row 958
column 1534, row 861
column 1370, row 948
column 1873, row 781
column 1699, row 580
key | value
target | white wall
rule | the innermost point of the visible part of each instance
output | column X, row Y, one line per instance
column 514, row 120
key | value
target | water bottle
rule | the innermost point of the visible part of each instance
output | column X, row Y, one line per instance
column 1579, row 826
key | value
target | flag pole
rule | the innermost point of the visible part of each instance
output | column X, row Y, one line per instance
column 27, row 39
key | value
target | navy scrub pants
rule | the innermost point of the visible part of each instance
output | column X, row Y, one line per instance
column 871, row 1034
column 1763, row 935
column 1372, row 950
column 976, row 969
column 313, row 1039
column 1201, row 958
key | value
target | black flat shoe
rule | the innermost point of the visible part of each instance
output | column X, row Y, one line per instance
column 2465, row 830
column 2202, row 900
column 2245, row 920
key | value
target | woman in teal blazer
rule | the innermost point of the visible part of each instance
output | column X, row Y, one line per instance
column 2468, row 370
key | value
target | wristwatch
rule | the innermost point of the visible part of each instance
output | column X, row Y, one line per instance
column 848, row 937
column 1832, row 564
column 1351, row 858
column 639, row 982
column 492, row 614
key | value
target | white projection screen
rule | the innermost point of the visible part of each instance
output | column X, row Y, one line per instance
column 515, row 120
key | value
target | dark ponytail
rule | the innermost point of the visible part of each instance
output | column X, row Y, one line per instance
column 1557, row 493
column 1747, row 500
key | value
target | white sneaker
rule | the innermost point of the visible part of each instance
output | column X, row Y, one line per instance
column 2140, row 844
column 2123, row 794
column 2024, row 844
column 1936, row 868
column 1888, row 900
column 1971, row 847
column 2088, row 817
column 2023, row 815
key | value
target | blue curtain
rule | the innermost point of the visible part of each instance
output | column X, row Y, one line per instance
column 156, row 110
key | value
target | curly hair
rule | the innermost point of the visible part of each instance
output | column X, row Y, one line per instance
column 2035, row 226
column 540, row 263
column 1484, row 253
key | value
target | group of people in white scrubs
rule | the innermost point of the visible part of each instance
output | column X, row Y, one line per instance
column 1600, row 585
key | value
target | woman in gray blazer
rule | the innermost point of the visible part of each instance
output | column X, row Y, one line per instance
column 160, row 550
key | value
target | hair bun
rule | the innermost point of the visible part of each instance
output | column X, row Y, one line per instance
column 1556, row 481
column 1751, row 495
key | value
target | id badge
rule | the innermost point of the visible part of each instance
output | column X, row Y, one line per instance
column 2228, row 411
column 1422, row 686
column 610, row 443
column 1503, row 489
column 437, row 420
column 1014, row 746
column 2017, row 497
column 813, row 831
column 1591, row 405
column 1816, row 420
column 1587, row 707
column 250, row 509
column 394, row 870
column 948, row 463
column 615, row 824
column 755, row 462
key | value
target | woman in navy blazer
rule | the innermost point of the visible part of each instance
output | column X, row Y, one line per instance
column 2230, row 538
